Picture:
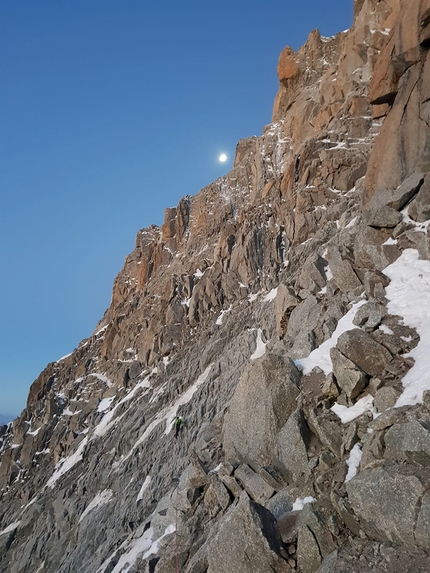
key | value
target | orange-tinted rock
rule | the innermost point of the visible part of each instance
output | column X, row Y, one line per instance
column 287, row 65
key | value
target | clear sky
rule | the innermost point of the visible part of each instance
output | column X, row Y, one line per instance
column 112, row 110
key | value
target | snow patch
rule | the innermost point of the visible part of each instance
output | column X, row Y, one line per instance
column 386, row 329
column 320, row 357
column 390, row 241
column 143, row 488
column 143, row 545
column 102, row 498
column 104, row 404
column 220, row 317
column 261, row 347
column 300, row 502
column 353, row 462
column 10, row 527
column 215, row 470
column 64, row 465
column 408, row 294
column 64, row 357
column 271, row 295
column 346, row 414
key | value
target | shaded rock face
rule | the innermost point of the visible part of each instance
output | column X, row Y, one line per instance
column 260, row 312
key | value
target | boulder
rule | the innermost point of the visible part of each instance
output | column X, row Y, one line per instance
column 384, row 217
column 327, row 429
column 314, row 541
column 259, row 490
column 348, row 376
column 364, row 351
column 247, row 541
column 408, row 442
column 370, row 315
column 422, row 531
column 263, row 401
column 285, row 301
column 386, row 398
column 343, row 273
column 419, row 209
column 386, row 504
column 291, row 450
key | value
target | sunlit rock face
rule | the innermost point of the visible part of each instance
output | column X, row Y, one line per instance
column 282, row 312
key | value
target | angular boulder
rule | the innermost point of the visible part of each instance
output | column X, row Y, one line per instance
column 291, row 447
column 408, row 442
column 364, row 351
column 386, row 504
column 247, row 541
column 263, row 401
column 348, row 376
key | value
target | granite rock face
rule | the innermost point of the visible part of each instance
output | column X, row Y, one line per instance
column 261, row 313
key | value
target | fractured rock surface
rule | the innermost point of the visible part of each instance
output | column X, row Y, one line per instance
column 281, row 260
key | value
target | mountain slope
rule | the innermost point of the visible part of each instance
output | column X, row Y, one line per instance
column 281, row 312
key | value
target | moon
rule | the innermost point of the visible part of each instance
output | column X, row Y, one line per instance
column 222, row 158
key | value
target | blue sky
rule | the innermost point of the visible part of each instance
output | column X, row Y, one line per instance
column 110, row 112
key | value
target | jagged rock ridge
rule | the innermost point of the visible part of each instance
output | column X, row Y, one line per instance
column 271, row 310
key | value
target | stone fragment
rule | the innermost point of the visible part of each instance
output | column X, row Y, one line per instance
column 247, row 541
column 397, row 198
column 388, row 418
column 422, row 531
column 364, row 351
column 386, row 398
column 262, row 403
column 408, row 442
column 253, row 484
column 372, row 450
column 419, row 209
column 313, row 540
column 285, row 301
column 216, row 497
column 327, row 429
column 343, row 273
column 374, row 283
column 291, row 447
column 369, row 250
column 308, row 554
column 384, row 216
column 385, row 504
column 348, row 376
column 370, row 315
column 231, row 484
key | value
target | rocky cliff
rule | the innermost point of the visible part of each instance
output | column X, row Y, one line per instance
column 283, row 313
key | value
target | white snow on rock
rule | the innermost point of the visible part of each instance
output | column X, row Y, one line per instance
column 108, row 419
column 300, row 502
column 353, row 462
column 346, row 414
column 261, row 347
column 408, row 296
column 386, row 329
column 65, row 464
column 221, row 316
column 64, row 357
column 320, row 357
column 102, row 378
column 143, row 488
column 102, row 498
column 104, row 404
column 10, row 527
column 143, row 546
column 271, row 295
column 169, row 413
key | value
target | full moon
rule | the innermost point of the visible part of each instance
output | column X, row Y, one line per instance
column 222, row 157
